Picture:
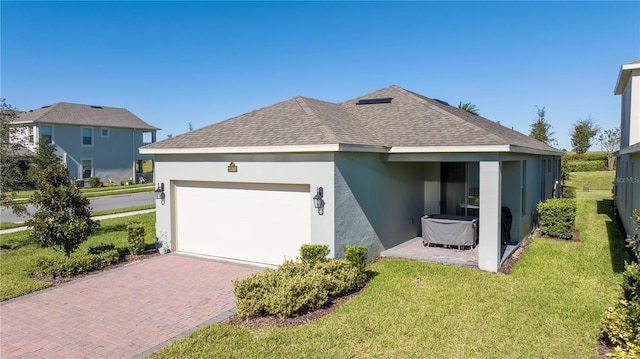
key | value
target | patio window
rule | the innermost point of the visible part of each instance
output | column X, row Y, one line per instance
column 460, row 188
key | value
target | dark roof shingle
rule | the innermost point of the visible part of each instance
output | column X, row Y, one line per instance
column 409, row 119
column 84, row 115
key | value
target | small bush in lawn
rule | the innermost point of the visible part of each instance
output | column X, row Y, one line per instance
column 136, row 237
column 75, row 265
column 313, row 253
column 557, row 217
column 94, row 182
column 357, row 255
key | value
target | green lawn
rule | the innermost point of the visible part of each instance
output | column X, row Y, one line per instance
column 548, row 307
column 102, row 191
column 8, row 225
column 17, row 264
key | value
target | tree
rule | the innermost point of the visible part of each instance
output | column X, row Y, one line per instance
column 469, row 107
column 11, row 175
column 610, row 142
column 582, row 133
column 541, row 129
column 63, row 217
column 45, row 157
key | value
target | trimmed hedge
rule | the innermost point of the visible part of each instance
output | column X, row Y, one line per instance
column 136, row 237
column 586, row 166
column 357, row 255
column 73, row 266
column 295, row 287
column 589, row 156
column 313, row 253
column 557, row 217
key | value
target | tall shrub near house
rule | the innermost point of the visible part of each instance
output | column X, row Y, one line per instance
column 634, row 240
column 557, row 217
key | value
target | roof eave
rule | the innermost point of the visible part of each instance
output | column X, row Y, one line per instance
column 262, row 149
column 474, row 149
column 623, row 77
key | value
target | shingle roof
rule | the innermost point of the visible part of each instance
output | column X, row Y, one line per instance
column 84, row 115
column 410, row 120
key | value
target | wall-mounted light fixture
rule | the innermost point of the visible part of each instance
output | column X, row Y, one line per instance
column 160, row 191
column 318, row 202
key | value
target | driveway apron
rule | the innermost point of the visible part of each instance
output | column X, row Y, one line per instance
column 124, row 313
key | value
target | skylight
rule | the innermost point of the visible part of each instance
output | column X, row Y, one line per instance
column 371, row 101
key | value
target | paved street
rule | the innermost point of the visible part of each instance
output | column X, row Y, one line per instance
column 97, row 203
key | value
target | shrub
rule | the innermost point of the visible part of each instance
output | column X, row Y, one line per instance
column 94, row 182
column 356, row 255
column 588, row 156
column 621, row 322
column 339, row 276
column 585, row 166
column 136, row 237
column 557, row 217
column 634, row 240
column 101, row 248
column 313, row 253
column 568, row 192
column 125, row 181
column 296, row 286
column 73, row 266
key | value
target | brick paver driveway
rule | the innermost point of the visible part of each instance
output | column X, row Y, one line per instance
column 124, row 313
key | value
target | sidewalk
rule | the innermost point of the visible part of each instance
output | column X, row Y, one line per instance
column 117, row 215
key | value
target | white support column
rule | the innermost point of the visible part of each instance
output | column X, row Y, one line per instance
column 490, row 215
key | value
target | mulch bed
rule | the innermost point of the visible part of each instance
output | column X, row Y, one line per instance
column 273, row 321
column 124, row 260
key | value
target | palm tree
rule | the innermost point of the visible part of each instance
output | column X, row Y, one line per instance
column 469, row 107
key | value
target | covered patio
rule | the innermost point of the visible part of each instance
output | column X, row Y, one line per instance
column 415, row 250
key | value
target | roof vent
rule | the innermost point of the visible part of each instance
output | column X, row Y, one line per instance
column 96, row 106
column 442, row 102
column 47, row 106
column 371, row 101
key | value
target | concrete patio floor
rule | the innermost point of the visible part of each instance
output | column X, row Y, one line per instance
column 466, row 257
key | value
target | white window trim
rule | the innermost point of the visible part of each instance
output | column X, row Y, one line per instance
column 82, row 167
column 82, row 136
column 102, row 133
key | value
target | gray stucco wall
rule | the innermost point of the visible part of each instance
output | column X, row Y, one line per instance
column 316, row 170
column 378, row 204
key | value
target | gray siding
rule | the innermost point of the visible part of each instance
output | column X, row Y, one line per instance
column 627, row 186
column 113, row 157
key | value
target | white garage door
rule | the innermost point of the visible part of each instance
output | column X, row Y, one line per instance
column 263, row 223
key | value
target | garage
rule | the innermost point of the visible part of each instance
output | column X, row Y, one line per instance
column 253, row 222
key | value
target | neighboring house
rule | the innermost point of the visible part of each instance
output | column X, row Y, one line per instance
column 91, row 140
column 245, row 189
column 627, row 183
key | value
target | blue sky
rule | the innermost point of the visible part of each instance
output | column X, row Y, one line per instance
column 175, row 63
